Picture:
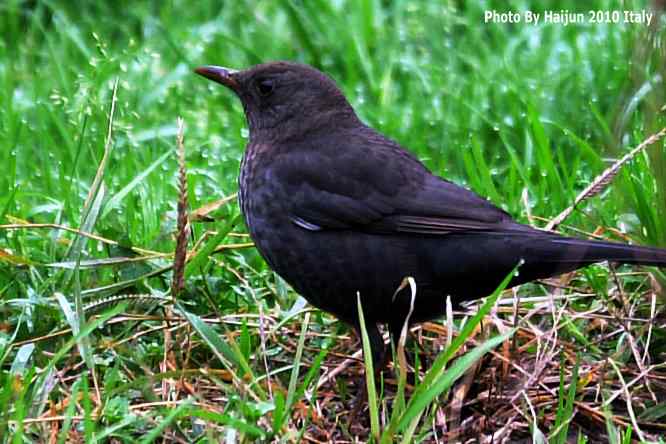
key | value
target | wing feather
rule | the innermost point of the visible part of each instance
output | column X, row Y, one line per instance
column 377, row 187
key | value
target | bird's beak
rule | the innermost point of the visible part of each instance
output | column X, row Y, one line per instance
column 219, row 74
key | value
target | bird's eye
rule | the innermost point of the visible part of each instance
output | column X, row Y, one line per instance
column 265, row 86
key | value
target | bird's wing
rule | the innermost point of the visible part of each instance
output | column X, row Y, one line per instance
column 373, row 185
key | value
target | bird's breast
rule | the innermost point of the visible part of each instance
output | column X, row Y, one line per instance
column 264, row 205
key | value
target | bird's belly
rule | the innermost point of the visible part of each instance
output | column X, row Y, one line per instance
column 329, row 268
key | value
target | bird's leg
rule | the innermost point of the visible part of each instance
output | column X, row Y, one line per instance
column 379, row 360
column 380, row 353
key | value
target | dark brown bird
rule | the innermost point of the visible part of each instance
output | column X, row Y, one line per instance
column 337, row 208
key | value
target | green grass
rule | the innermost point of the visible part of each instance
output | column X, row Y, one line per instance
column 525, row 115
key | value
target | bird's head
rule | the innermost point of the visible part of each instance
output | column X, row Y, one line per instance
column 284, row 98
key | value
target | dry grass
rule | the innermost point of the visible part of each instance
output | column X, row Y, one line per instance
column 509, row 392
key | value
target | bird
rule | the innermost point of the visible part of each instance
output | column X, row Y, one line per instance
column 341, row 211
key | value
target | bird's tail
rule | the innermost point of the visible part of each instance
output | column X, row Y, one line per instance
column 551, row 255
column 595, row 251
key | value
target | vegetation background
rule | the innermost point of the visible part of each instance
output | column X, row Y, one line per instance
column 526, row 115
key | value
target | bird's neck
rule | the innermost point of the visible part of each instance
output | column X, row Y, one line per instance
column 298, row 127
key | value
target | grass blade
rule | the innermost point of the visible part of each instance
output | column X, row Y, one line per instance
column 369, row 372
column 166, row 422
column 418, row 404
